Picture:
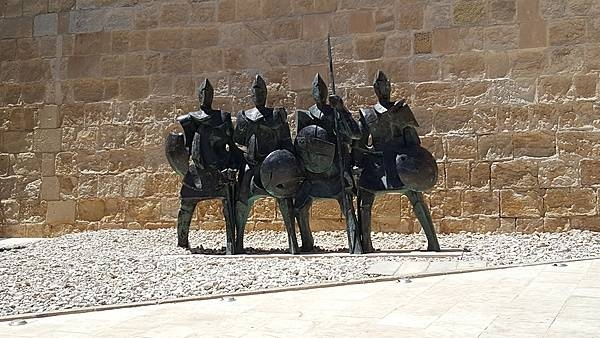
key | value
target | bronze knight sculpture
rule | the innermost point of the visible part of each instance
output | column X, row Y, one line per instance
column 392, row 159
column 258, row 159
column 207, row 138
column 325, row 166
column 272, row 169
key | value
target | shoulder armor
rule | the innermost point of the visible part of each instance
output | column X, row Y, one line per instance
column 379, row 108
column 253, row 115
column 315, row 112
column 303, row 119
column 369, row 115
column 199, row 116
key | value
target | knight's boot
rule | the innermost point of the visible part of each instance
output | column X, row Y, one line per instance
column 365, row 204
column 286, row 206
column 184, row 218
column 303, row 216
column 354, row 236
column 242, row 212
column 424, row 217
column 229, row 215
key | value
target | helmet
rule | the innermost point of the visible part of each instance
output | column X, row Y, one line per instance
column 280, row 174
column 416, row 168
column 315, row 149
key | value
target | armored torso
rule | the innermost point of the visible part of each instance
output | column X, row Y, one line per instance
column 262, row 131
column 387, row 125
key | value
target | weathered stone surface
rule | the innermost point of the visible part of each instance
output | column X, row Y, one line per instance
column 60, row 212
column 91, row 210
column 566, row 32
column 534, row 144
column 45, row 24
column 570, row 202
column 476, row 202
column 457, row 175
column 516, row 173
column 422, row 42
column 469, row 12
column 590, row 172
column 517, row 203
column 558, row 173
column 495, row 146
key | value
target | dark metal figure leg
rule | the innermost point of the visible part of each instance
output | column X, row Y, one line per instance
column 230, row 223
column 365, row 204
column 286, row 206
column 242, row 211
column 422, row 213
column 354, row 241
column 184, row 218
column 303, row 217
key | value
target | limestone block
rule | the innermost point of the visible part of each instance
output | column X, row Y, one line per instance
column 501, row 37
column 495, row 146
column 120, row 19
column 50, row 190
column 554, row 87
column 502, row 11
column 276, row 8
column 110, row 186
column 444, row 40
column 48, row 117
column 556, row 173
column 464, row 65
column 585, row 223
column 528, row 10
column 287, row 29
column 556, row 224
column 507, row 225
column 325, row 209
column 517, row 203
column 388, row 205
column 165, row 39
column 13, row 8
column 11, row 28
column 457, row 175
column 526, row 63
column 534, row 144
column 570, row 202
column 461, row 147
column 516, row 173
column 385, row 19
column 445, row 204
column 84, row 21
column 566, row 32
column 531, row 225
column 590, row 172
column 480, row 175
column 457, row 120
column 565, row 59
column 436, row 93
column 132, row 88
column 585, row 85
column 226, row 10
column 581, row 143
column 4, row 164
column 397, row 45
column 143, row 210
column 47, row 140
column 469, row 12
column 174, row 14
column 532, row 34
column 45, row 24
column 60, row 212
column 422, row 42
column 424, row 69
column 552, row 9
column 369, row 47
column 361, row 21
column 90, row 210
column 25, row 164
column 410, row 15
column 201, row 37
column 476, row 202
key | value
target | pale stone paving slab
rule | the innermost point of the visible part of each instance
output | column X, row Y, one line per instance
column 512, row 302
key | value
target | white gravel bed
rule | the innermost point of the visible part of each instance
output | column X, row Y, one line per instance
column 124, row 266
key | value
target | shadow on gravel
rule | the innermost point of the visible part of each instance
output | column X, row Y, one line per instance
column 316, row 251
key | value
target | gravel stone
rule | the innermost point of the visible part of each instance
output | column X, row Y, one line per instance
column 124, row 266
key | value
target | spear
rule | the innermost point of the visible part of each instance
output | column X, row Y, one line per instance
column 352, row 240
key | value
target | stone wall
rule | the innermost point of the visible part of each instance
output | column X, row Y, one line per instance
column 506, row 92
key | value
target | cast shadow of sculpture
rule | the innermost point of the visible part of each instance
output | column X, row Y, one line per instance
column 324, row 134
column 392, row 160
column 207, row 139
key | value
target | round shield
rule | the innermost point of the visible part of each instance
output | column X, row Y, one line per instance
column 416, row 168
column 280, row 174
column 315, row 149
column 176, row 153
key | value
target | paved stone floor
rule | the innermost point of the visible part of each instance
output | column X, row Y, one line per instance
column 537, row 301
